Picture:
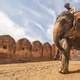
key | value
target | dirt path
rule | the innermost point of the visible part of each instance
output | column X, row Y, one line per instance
column 38, row 71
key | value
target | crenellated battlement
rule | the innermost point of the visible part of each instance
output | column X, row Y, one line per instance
column 24, row 51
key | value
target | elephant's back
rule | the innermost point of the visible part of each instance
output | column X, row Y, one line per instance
column 77, row 14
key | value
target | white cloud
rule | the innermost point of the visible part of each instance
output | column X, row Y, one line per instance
column 76, row 1
column 35, row 13
column 38, row 25
column 49, row 10
column 50, row 32
column 7, row 26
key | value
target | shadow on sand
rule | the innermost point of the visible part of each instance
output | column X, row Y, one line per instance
column 71, row 72
column 76, row 71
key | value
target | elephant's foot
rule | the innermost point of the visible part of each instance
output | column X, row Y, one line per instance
column 63, row 71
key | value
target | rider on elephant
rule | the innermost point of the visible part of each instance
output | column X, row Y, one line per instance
column 69, row 11
column 70, row 8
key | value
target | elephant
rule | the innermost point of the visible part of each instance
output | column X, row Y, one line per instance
column 66, row 36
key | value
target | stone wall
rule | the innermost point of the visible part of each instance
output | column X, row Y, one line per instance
column 36, row 50
column 24, row 50
column 54, row 50
column 47, row 51
column 7, row 47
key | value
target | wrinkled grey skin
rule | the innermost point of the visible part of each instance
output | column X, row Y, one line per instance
column 63, row 24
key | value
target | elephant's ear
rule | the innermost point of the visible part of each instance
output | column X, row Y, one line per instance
column 76, row 20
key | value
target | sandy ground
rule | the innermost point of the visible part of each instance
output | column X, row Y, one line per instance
column 38, row 71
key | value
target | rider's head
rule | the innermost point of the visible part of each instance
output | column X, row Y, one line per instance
column 67, row 6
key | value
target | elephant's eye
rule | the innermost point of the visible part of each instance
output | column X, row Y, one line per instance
column 78, row 20
column 63, row 21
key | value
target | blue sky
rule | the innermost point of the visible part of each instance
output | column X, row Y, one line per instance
column 33, row 19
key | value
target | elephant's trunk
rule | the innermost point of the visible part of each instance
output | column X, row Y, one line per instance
column 57, row 36
column 57, row 43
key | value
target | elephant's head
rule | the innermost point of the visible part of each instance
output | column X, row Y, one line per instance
column 64, row 23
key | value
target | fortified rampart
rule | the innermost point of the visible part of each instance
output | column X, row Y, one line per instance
column 24, row 50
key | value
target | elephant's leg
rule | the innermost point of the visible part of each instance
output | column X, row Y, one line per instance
column 65, row 58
